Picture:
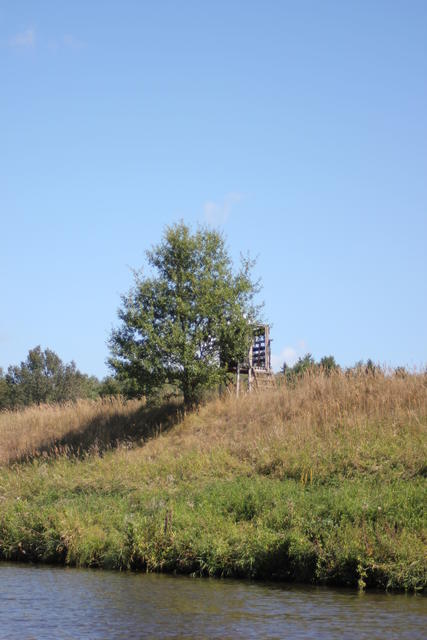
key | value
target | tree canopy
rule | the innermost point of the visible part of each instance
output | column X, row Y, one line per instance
column 43, row 377
column 307, row 363
column 188, row 320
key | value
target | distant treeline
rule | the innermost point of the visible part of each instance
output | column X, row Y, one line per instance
column 328, row 364
column 308, row 363
column 44, row 378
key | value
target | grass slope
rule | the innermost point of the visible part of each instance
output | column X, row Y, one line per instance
column 324, row 483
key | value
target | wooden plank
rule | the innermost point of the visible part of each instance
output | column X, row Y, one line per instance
column 238, row 381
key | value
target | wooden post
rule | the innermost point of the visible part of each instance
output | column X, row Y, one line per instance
column 238, row 380
column 250, row 369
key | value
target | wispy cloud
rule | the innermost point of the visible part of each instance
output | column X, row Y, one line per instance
column 24, row 39
column 71, row 42
column 289, row 354
column 217, row 213
column 28, row 39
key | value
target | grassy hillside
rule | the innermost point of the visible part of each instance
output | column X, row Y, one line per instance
column 324, row 482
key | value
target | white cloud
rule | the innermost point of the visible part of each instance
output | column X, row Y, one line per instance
column 27, row 40
column 71, row 42
column 217, row 213
column 289, row 355
column 24, row 39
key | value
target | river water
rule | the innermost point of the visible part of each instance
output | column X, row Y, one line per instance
column 57, row 603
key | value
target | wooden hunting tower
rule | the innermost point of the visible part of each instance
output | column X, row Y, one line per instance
column 258, row 365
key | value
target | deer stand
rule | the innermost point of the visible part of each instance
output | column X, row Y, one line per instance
column 258, row 365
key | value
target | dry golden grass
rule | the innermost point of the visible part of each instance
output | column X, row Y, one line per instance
column 76, row 427
column 351, row 422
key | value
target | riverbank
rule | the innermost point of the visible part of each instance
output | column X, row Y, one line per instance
column 321, row 483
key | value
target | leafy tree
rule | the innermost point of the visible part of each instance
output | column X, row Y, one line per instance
column 87, row 386
column 43, row 377
column 4, row 391
column 303, row 365
column 328, row 364
column 112, row 386
column 307, row 363
column 187, row 322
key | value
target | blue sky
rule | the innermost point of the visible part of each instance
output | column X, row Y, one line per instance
column 298, row 128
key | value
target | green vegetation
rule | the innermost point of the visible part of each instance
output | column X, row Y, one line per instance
column 320, row 481
column 43, row 378
column 190, row 322
column 307, row 364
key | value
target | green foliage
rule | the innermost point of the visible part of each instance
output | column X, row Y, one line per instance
column 328, row 364
column 112, row 386
column 4, row 391
column 112, row 514
column 43, row 378
column 306, row 364
column 188, row 322
column 301, row 367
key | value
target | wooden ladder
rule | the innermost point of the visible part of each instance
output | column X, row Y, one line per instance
column 263, row 380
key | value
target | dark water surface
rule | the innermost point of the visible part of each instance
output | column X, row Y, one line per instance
column 57, row 603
